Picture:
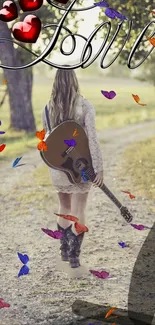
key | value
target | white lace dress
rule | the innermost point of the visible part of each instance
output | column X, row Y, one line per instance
column 85, row 116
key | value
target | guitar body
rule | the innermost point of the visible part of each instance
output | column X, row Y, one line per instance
column 60, row 156
column 74, row 159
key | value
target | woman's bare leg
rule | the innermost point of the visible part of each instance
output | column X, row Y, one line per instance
column 64, row 208
column 78, row 206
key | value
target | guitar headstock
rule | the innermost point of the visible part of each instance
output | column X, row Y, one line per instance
column 126, row 214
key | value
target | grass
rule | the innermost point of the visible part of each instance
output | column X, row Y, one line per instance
column 109, row 114
column 139, row 163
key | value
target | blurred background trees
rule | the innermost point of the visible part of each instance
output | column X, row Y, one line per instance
column 20, row 83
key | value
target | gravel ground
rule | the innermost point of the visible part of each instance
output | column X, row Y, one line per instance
column 45, row 296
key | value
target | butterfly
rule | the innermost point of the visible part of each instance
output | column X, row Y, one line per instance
column 101, row 4
column 108, row 94
column 4, row 82
column 75, row 134
column 130, row 195
column 112, row 13
column 54, row 234
column 2, row 132
column 83, row 176
column 70, row 142
column 110, row 312
column 152, row 40
column 122, row 244
column 67, row 217
column 2, row 147
column 140, row 227
column 100, row 274
column 80, row 228
column 137, row 99
column 3, row 304
column 42, row 144
column 16, row 161
column 25, row 269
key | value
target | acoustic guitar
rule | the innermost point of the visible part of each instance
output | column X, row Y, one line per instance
column 74, row 159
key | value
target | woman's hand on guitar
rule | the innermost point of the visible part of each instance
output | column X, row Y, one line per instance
column 98, row 181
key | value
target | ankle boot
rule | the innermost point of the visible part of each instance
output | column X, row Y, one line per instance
column 64, row 248
column 75, row 243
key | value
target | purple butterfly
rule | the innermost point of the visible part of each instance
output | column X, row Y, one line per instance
column 101, row 274
column 108, row 94
column 70, row 143
column 140, row 227
column 112, row 13
column 25, row 269
column 101, row 4
column 54, row 234
column 122, row 244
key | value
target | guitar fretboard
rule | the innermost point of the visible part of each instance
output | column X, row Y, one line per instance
column 91, row 175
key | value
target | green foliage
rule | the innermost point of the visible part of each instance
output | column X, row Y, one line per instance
column 140, row 13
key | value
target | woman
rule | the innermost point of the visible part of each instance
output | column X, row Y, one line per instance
column 66, row 103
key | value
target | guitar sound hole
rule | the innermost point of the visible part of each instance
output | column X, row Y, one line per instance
column 81, row 164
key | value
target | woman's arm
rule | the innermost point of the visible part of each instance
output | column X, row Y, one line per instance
column 94, row 146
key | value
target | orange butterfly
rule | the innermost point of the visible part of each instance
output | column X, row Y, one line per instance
column 67, row 217
column 110, row 312
column 152, row 40
column 4, row 82
column 130, row 195
column 75, row 134
column 137, row 99
column 2, row 147
column 42, row 144
column 80, row 228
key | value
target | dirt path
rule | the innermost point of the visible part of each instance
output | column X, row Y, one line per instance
column 45, row 296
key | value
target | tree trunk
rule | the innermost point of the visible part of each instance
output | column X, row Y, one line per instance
column 19, row 85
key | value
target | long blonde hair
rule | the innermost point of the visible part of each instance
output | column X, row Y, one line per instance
column 64, row 96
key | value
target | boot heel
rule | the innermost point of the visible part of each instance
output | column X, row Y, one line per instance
column 75, row 243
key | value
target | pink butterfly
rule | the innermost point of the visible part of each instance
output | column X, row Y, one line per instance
column 101, row 274
column 54, row 234
column 3, row 304
column 140, row 227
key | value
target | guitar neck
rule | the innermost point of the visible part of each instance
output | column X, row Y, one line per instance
column 91, row 175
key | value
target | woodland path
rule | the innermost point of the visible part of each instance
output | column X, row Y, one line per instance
column 45, row 296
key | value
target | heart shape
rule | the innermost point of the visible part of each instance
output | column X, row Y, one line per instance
column 9, row 11
column 28, row 30
column 108, row 94
column 28, row 5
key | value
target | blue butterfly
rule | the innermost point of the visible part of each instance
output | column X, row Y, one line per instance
column 70, row 143
column 112, row 13
column 101, row 4
column 83, row 176
column 14, row 165
column 122, row 244
column 25, row 269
